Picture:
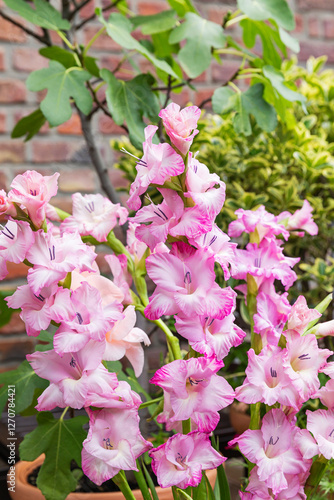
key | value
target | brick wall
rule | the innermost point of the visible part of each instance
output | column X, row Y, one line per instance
column 63, row 149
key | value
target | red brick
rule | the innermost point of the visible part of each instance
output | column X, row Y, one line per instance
column 2, row 60
column 111, row 62
column 3, row 181
column 11, row 33
column 117, row 178
column 15, row 325
column 222, row 73
column 329, row 28
column 62, row 202
column 316, row 4
column 12, row 91
column 150, row 8
column 108, row 126
column 87, row 10
column 316, row 49
column 182, row 98
column 12, row 152
column 103, row 42
column 83, row 179
column 27, row 60
column 202, row 95
column 55, row 38
column 15, row 348
column 71, row 127
column 45, row 152
column 313, row 27
column 2, row 123
column 217, row 14
column 299, row 23
column 6, row 367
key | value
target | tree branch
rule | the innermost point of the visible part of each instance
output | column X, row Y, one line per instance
column 77, row 8
column 41, row 39
column 172, row 87
column 93, row 16
column 233, row 77
column 96, row 160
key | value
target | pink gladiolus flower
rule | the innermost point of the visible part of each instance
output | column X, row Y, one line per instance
column 121, row 397
column 33, row 191
column 37, row 310
column 124, row 339
column 167, row 417
column 266, row 380
column 261, row 221
column 273, row 450
column 180, row 125
column 86, row 319
column 158, row 164
column 16, row 238
column 321, row 424
column 264, row 262
column 257, row 490
column 75, row 378
column 213, row 337
column 121, row 277
column 94, row 215
column 113, row 443
column 202, row 188
column 135, row 247
column 195, row 390
column 217, row 244
column 326, row 394
column 272, row 314
column 53, row 258
column 6, row 206
column 300, row 315
column 302, row 363
column 301, row 219
column 185, row 280
column 180, row 461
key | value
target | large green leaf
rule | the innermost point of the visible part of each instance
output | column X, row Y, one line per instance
column 62, row 84
column 278, row 10
column 182, row 6
column 25, row 381
column 246, row 103
column 130, row 101
column 150, row 25
column 61, row 441
column 29, row 125
column 119, row 27
column 270, row 38
column 201, row 36
column 63, row 56
column 276, row 79
column 44, row 15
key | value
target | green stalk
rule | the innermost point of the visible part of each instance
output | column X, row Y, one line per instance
column 121, row 481
column 318, row 469
column 186, row 426
column 171, row 339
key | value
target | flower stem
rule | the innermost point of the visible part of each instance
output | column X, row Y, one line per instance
column 186, row 426
column 318, row 469
column 121, row 481
column 171, row 339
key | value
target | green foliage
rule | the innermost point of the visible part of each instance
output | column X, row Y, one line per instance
column 44, row 15
column 129, row 101
column 201, row 36
column 29, row 125
column 245, row 103
column 62, row 84
column 25, row 381
column 119, row 27
column 260, row 10
column 157, row 23
column 61, row 441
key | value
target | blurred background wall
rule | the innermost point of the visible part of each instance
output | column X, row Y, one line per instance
column 63, row 149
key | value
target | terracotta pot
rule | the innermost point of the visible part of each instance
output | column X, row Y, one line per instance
column 240, row 420
column 26, row 491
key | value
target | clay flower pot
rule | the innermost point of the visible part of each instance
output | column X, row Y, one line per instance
column 26, row 491
column 239, row 418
